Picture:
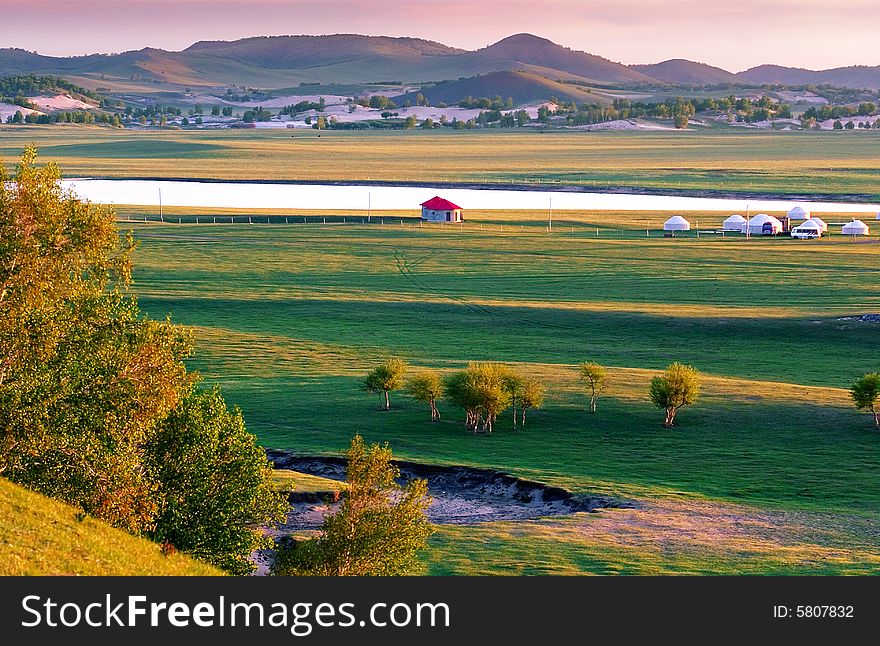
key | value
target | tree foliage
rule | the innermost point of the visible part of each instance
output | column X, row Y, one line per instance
column 483, row 391
column 532, row 396
column 679, row 386
column 87, row 383
column 865, row 393
column 215, row 488
column 595, row 377
column 83, row 379
column 427, row 387
column 386, row 378
column 379, row 528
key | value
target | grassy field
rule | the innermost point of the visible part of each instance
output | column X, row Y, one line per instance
column 773, row 471
column 40, row 536
column 717, row 159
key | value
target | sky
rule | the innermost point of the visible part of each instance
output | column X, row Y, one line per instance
column 733, row 34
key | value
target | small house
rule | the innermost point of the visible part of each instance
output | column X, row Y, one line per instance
column 676, row 223
column 734, row 223
column 763, row 225
column 439, row 210
column 799, row 213
column 855, row 228
column 820, row 222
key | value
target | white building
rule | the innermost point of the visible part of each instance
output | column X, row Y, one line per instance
column 799, row 213
column 855, row 228
column 439, row 210
column 763, row 225
column 734, row 223
column 676, row 223
column 820, row 222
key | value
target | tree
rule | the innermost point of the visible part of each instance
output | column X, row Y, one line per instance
column 386, row 378
column 379, row 529
column 320, row 123
column 681, row 121
column 595, row 378
column 865, row 393
column 215, row 111
column 411, row 122
column 679, row 386
column 513, row 383
column 87, row 383
column 532, row 396
column 427, row 387
column 215, row 484
column 481, row 390
column 83, row 379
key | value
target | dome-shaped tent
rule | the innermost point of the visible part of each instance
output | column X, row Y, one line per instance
column 855, row 228
column 734, row 223
column 799, row 213
column 818, row 221
column 763, row 224
column 676, row 223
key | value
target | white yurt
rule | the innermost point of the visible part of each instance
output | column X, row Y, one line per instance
column 799, row 213
column 820, row 222
column 807, row 229
column 763, row 224
column 734, row 223
column 855, row 228
column 676, row 223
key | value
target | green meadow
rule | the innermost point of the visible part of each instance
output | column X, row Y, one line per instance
column 716, row 159
column 773, row 471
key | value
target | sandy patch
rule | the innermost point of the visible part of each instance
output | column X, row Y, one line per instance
column 60, row 102
column 802, row 97
column 623, row 124
column 8, row 109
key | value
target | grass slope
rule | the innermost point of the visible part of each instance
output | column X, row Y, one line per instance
column 522, row 87
column 288, row 319
column 748, row 161
column 40, row 536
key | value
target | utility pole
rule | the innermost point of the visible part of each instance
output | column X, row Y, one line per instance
column 748, row 218
column 369, row 205
column 161, row 219
column 550, row 217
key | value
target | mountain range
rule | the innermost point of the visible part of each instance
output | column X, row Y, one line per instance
column 285, row 61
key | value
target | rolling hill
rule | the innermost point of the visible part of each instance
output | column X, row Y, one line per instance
column 684, row 72
column 287, row 61
column 284, row 61
column 39, row 535
column 523, row 87
column 857, row 76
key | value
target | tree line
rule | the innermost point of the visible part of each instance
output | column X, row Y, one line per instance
column 485, row 390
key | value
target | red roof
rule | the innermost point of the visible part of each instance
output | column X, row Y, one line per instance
column 439, row 204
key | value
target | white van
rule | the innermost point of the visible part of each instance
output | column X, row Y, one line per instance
column 805, row 232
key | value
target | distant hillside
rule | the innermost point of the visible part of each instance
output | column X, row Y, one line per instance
column 523, row 87
column 285, row 61
column 514, row 51
column 857, row 76
column 39, row 535
column 684, row 72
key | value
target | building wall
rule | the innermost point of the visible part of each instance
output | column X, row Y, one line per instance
column 440, row 216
